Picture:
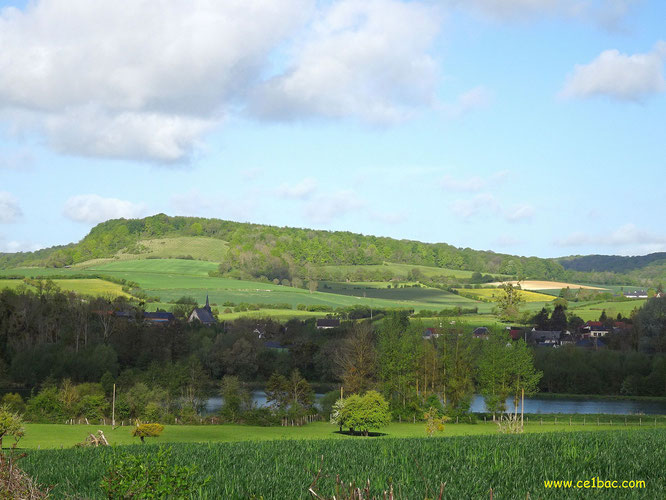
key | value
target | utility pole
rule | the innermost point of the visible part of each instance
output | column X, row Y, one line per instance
column 113, row 410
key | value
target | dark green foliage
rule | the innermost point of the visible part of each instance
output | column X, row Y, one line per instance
column 512, row 465
column 149, row 476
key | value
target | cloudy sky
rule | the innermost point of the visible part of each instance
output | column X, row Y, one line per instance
column 535, row 127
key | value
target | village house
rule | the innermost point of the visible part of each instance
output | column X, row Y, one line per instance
column 546, row 338
column 636, row 294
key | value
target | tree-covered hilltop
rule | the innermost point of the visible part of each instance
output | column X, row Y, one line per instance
column 258, row 245
column 257, row 250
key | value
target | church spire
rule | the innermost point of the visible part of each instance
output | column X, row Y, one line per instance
column 207, row 306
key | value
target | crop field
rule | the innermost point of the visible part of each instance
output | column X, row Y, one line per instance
column 93, row 287
column 592, row 311
column 514, row 466
column 552, row 285
column 494, row 293
column 402, row 270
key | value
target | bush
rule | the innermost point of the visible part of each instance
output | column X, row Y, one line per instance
column 143, row 431
column 149, row 476
column 14, row 402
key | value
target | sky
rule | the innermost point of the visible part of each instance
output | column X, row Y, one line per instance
column 530, row 127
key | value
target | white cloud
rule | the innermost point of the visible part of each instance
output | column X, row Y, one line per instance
column 134, row 78
column 364, row 58
column 195, row 203
column 10, row 211
column 300, row 191
column 619, row 76
column 519, row 212
column 474, row 183
column 92, row 208
column 607, row 13
column 628, row 237
column 13, row 246
column 479, row 204
column 325, row 208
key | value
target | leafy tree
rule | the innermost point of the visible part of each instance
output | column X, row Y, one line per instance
column 300, row 392
column 11, row 424
column 143, row 431
column 558, row 320
column 509, row 301
column 277, row 391
column 363, row 413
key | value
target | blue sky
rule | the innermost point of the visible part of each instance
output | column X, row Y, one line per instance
column 534, row 127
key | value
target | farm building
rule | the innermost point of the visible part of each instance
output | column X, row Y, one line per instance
column 158, row 318
column 481, row 332
column 328, row 323
column 203, row 314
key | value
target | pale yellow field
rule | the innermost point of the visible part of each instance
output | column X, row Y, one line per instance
column 493, row 293
column 547, row 285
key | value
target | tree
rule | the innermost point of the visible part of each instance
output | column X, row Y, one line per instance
column 558, row 320
column 300, row 392
column 509, row 301
column 143, row 431
column 237, row 399
column 277, row 391
column 11, row 424
column 357, row 359
column 368, row 412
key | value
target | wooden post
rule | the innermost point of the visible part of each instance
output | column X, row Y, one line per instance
column 522, row 406
column 113, row 410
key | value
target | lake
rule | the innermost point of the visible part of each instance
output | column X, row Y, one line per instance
column 532, row 405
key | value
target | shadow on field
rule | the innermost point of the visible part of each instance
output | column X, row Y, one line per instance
column 359, row 433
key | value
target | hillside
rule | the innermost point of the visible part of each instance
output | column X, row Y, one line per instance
column 252, row 251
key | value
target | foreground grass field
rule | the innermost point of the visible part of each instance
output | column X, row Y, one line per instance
column 45, row 436
column 512, row 465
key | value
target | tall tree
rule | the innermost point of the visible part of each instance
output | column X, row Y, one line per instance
column 357, row 359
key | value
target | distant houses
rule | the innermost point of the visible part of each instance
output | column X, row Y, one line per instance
column 636, row 294
column 203, row 314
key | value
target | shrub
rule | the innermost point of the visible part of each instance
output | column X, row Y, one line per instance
column 14, row 402
column 143, row 431
column 149, row 476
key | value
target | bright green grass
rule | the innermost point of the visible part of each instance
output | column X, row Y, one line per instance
column 590, row 312
column 277, row 314
column 494, row 293
column 45, row 436
column 513, row 466
column 201, row 248
column 11, row 284
column 159, row 266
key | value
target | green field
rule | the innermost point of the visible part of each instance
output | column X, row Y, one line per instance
column 513, row 466
column 592, row 311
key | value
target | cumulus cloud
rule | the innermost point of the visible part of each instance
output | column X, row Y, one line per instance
column 13, row 246
column 301, row 190
column 364, row 58
column 135, row 79
column 10, row 211
column 474, row 183
column 519, row 212
column 92, row 208
column 619, row 76
column 607, row 13
column 628, row 236
column 324, row 208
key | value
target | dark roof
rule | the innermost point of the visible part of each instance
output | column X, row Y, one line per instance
column 205, row 315
column 482, row 330
column 328, row 322
column 158, row 317
column 541, row 335
column 590, row 343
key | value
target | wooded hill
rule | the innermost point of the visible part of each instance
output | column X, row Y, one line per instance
column 278, row 252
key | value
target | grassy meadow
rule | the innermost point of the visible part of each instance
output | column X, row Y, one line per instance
column 494, row 293
column 514, row 466
column 592, row 311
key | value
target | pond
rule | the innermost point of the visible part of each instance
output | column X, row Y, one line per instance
column 532, row 405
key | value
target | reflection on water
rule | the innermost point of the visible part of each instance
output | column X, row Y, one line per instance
column 532, row 405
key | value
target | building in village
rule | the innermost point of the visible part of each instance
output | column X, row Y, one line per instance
column 203, row 314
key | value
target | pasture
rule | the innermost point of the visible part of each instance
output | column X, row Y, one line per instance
column 91, row 286
column 591, row 311
column 514, row 466
column 401, row 270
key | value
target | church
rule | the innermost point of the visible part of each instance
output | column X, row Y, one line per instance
column 203, row 314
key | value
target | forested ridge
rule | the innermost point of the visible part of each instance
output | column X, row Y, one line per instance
column 277, row 252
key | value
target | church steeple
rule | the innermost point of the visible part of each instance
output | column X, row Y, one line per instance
column 207, row 306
